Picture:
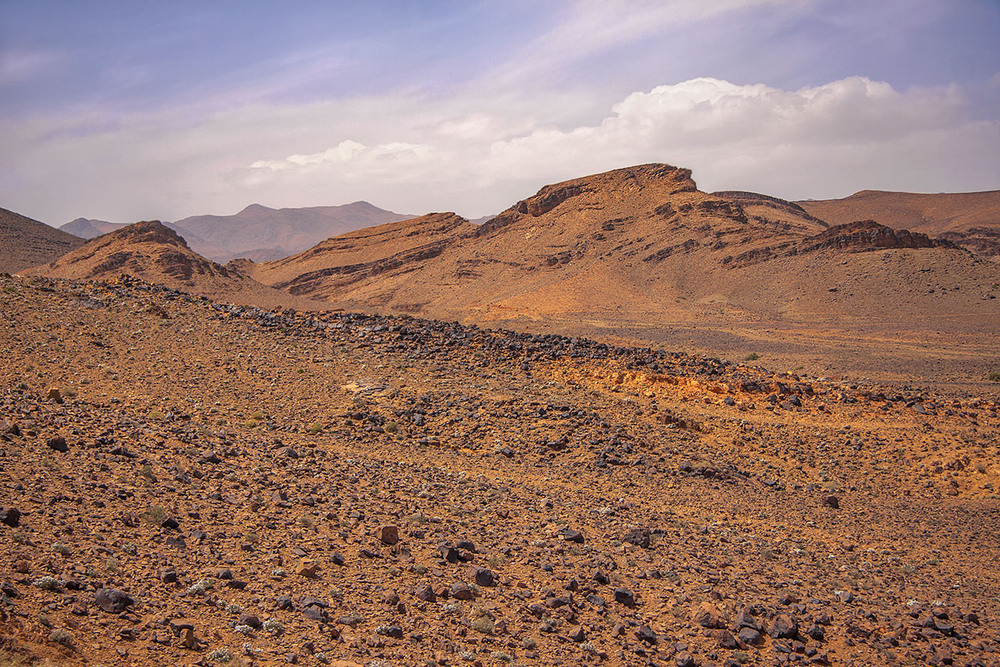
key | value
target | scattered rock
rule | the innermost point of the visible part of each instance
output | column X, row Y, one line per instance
column 57, row 443
column 112, row 600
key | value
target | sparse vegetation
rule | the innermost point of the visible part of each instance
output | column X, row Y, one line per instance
column 221, row 655
column 154, row 513
column 61, row 636
column 994, row 376
column 753, row 356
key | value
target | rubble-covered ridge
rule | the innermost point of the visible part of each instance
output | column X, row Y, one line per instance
column 189, row 482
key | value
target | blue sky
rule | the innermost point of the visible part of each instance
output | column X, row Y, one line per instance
column 135, row 110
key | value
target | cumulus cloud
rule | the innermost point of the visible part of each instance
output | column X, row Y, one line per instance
column 817, row 141
column 416, row 155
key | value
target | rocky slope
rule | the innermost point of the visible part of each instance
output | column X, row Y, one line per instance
column 322, row 488
column 970, row 219
column 642, row 251
column 153, row 252
column 25, row 242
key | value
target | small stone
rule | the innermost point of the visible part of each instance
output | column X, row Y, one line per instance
column 831, row 501
column 307, row 567
column 625, row 596
column 57, row 443
column 577, row 634
column 749, row 636
column 727, row 640
column 685, row 659
column 389, row 535
column 112, row 600
column 638, row 536
column 54, row 394
column 10, row 516
column 646, row 634
column 461, row 591
column 426, row 593
column 707, row 616
column 784, row 627
column 167, row 575
column 571, row 535
column 484, row 577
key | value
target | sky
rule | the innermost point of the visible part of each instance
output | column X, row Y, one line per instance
column 126, row 111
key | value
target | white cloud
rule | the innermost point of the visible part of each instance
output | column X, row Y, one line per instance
column 415, row 155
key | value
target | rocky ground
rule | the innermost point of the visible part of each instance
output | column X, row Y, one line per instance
column 185, row 482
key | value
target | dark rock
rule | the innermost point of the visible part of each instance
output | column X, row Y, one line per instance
column 784, row 627
column 646, row 634
column 314, row 614
column 112, row 600
column 577, row 634
column 10, row 516
column 571, row 535
column 831, row 501
column 168, row 575
column 749, row 636
column 57, row 443
column 727, row 640
column 208, row 456
column 170, row 523
column 484, row 577
column 389, row 535
column 625, row 596
column 461, row 591
column 249, row 620
column 685, row 659
column 638, row 536
column 426, row 593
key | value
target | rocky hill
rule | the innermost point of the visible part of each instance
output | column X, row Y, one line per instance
column 153, row 252
column 642, row 252
column 189, row 482
column 970, row 219
column 25, row 242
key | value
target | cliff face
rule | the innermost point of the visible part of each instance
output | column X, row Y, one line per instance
column 860, row 236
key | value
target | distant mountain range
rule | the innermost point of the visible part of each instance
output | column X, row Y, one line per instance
column 258, row 232
column 643, row 248
column 638, row 249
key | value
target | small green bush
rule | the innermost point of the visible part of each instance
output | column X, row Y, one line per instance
column 994, row 376
column 753, row 356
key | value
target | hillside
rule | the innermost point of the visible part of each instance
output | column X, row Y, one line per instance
column 970, row 219
column 185, row 482
column 25, row 242
column 152, row 252
column 642, row 253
